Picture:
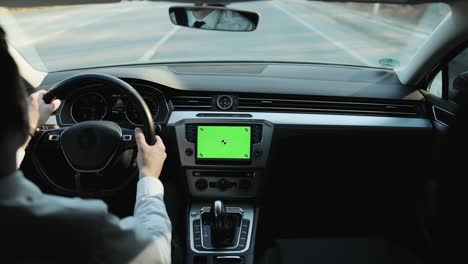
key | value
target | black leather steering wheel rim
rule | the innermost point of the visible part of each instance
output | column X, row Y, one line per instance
column 60, row 91
column 91, row 148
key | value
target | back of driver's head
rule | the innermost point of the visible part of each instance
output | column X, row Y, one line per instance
column 13, row 106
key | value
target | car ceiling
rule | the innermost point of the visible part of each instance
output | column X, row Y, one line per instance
column 15, row 3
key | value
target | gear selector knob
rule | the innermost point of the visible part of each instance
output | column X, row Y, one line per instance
column 223, row 225
column 217, row 216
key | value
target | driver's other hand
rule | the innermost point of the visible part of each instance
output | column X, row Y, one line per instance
column 150, row 159
column 38, row 110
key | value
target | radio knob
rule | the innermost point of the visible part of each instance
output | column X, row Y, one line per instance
column 258, row 153
column 189, row 152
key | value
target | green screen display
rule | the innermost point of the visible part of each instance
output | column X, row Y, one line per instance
column 223, row 142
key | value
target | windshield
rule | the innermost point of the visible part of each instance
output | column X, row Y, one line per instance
column 140, row 32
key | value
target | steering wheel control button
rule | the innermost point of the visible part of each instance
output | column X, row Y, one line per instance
column 201, row 184
column 225, row 102
column 189, row 152
column 54, row 137
column 128, row 139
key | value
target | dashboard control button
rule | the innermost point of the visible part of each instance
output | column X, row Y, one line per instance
column 249, row 174
column 244, row 185
column 191, row 132
column 225, row 102
column 258, row 153
column 224, row 184
column 257, row 131
column 201, row 184
column 189, row 152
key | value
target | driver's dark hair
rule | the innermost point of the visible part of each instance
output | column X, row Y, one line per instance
column 13, row 108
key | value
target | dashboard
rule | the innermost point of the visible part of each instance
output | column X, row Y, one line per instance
column 258, row 89
column 103, row 102
column 272, row 91
column 225, row 123
column 228, row 121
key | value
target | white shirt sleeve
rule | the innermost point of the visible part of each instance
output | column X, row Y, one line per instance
column 150, row 212
column 149, row 186
column 145, row 237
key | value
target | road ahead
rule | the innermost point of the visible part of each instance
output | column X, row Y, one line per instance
column 141, row 32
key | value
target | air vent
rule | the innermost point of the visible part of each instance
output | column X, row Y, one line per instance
column 191, row 102
column 399, row 108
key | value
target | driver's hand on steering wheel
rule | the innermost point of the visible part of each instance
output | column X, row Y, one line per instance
column 38, row 110
column 150, row 158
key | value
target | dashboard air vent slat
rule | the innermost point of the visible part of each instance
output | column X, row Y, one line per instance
column 191, row 102
column 327, row 106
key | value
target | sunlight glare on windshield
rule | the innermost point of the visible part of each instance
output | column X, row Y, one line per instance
column 139, row 32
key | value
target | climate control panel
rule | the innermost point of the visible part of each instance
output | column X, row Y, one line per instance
column 223, row 183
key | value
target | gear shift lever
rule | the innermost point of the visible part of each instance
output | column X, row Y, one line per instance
column 217, row 219
column 224, row 226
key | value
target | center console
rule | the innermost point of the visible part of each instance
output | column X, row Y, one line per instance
column 224, row 161
column 222, row 158
column 221, row 233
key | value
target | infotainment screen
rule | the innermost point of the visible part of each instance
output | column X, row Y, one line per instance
column 223, row 142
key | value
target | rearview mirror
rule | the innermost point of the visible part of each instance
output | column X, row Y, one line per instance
column 213, row 18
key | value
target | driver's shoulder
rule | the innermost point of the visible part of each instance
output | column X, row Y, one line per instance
column 73, row 207
column 54, row 216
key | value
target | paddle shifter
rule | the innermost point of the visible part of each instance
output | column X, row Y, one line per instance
column 223, row 225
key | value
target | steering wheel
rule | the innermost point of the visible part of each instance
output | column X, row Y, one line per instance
column 91, row 149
